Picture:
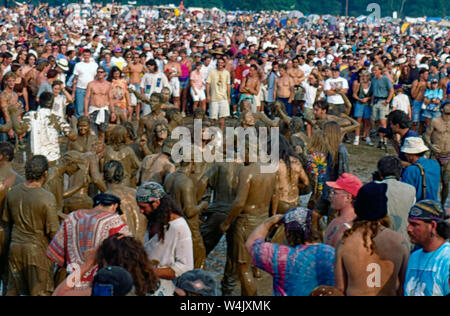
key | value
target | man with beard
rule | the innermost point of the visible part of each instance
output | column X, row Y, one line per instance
column 170, row 242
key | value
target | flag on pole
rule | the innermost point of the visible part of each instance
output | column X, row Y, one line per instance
column 405, row 27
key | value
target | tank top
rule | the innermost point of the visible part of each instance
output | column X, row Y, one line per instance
column 362, row 92
column 448, row 90
column 184, row 70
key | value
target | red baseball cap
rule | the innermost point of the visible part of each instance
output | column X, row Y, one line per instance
column 347, row 182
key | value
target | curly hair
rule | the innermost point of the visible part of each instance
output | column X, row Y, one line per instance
column 370, row 229
column 129, row 253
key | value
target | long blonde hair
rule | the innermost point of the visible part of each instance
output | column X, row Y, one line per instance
column 332, row 135
column 317, row 143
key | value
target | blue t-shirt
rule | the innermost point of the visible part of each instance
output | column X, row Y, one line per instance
column 412, row 176
column 428, row 273
column 434, row 94
column 381, row 87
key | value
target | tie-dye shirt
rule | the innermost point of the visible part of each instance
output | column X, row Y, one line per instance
column 428, row 272
column 297, row 270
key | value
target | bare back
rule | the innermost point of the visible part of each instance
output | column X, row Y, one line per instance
column 261, row 188
column 380, row 274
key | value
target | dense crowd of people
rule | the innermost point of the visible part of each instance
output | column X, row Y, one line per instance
column 94, row 203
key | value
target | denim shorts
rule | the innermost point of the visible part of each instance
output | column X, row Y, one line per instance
column 362, row 110
column 431, row 114
column 417, row 111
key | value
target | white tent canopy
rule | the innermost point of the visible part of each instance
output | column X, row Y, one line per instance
column 295, row 14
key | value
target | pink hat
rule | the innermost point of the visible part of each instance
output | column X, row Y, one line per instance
column 347, row 182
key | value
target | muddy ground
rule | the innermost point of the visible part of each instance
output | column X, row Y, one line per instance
column 363, row 160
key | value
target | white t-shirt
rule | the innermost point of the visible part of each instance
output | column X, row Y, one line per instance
column 59, row 105
column 310, row 94
column 175, row 252
column 401, row 102
column 306, row 69
column 331, row 83
column 154, row 82
column 44, row 133
column 119, row 62
column 86, row 73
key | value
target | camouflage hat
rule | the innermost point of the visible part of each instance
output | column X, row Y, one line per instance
column 150, row 191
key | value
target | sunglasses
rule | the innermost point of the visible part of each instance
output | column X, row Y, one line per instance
column 100, row 72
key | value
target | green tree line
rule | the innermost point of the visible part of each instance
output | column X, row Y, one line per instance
column 412, row 8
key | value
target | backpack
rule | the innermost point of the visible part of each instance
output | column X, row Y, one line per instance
column 424, row 180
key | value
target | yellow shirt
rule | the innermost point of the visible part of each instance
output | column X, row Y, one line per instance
column 219, row 81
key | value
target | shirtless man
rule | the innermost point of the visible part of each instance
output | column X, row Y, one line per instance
column 175, row 119
column 297, row 76
column 9, row 97
column 250, row 87
column 371, row 259
column 136, row 69
column 165, row 92
column 156, row 167
column 222, row 179
column 256, row 192
column 444, row 84
column 98, row 104
column 418, row 88
column 437, row 138
column 146, row 122
column 342, row 198
column 284, row 89
column 347, row 123
column 182, row 189
column 173, row 71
